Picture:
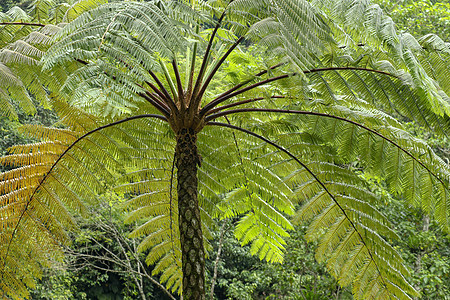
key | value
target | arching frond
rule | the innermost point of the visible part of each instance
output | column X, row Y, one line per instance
column 40, row 9
column 79, row 7
column 297, row 30
column 50, row 182
column 402, row 50
column 23, row 40
column 351, row 232
column 408, row 165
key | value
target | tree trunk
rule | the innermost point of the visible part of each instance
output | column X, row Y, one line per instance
column 191, row 237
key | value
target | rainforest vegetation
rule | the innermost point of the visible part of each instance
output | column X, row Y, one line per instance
column 224, row 149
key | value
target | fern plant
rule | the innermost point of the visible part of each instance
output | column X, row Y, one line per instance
column 164, row 104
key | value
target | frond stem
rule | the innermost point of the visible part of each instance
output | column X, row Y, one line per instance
column 23, row 24
column 192, row 67
column 178, row 78
column 247, row 81
column 231, row 93
column 210, row 77
column 207, row 51
column 169, row 101
column 348, row 69
column 217, row 109
column 217, row 101
column 153, row 100
column 157, row 91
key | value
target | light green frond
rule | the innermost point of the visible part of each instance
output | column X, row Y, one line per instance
column 297, row 29
column 52, row 181
column 149, row 25
column 135, row 36
column 348, row 227
column 402, row 50
column 348, row 241
column 65, row 136
column 392, row 91
column 407, row 164
column 11, row 33
column 79, row 7
column 434, row 56
column 58, row 13
column 11, row 86
column 262, row 200
column 40, row 9
column 345, row 221
column 27, row 52
column 17, row 14
column 19, row 60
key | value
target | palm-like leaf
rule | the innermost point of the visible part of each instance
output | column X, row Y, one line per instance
column 23, row 40
column 39, row 194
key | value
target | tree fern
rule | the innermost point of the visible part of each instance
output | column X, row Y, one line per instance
column 149, row 113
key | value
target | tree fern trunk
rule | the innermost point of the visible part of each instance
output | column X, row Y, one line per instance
column 193, row 255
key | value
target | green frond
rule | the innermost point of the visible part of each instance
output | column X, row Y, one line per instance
column 297, row 29
column 20, row 67
column 12, row 87
column 350, row 230
column 79, row 7
column 150, row 26
column 401, row 50
column 40, row 9
column 348, row 240
column 58, row 12
column 267, row 242
column 17, row 14
column 65, row 136
column 407, row 164
column 262, row 200
column 53, row 180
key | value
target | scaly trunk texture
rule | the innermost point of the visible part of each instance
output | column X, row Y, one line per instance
column 191, row 237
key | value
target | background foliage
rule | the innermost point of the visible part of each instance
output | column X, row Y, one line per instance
column 420, row 17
